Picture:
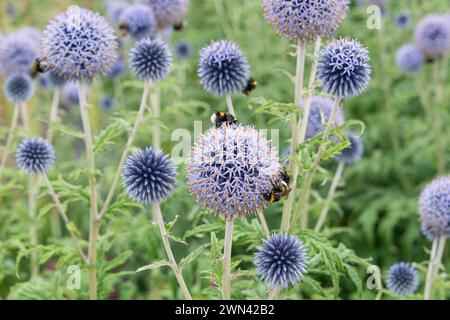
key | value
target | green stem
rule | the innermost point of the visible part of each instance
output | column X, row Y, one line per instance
column 53, row 117
column 437, row 251
column 263, row 222
column 9, row 140
column 165, row 238
column 32, row 210
column 226, row 277
column 229, row 101
column 156, row 110
column 330, row 196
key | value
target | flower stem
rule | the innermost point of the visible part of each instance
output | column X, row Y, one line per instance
column 310, row 175
column 9, row 140
column 25, row 117
column 263, row 222
column 165, row 238
column 274, row 294
column 299, row 75
column 131, row 137
column 330, row 196
column 230, row 106
column 437, row 251
column 62, row 213
column 93, row 222
column 53, row 117
column 156, row 110
column 32, row 195
column 226, row 276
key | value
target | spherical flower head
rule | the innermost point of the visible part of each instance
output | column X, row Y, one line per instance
column 354, row 152
column 305, row 20
column 402, row 279
column 168, row 12
column 183, row 50
column 18, row 88
column 114, row 9
column 117, row 69
column 319, row 113
column 409, row 58
column 150, row 60
column 344, row 68
column 149, row 176
column 434, row 208
column 17, row 54
column 55, row 79
column 432, row 35
column 79, row 45
column 35, row 156
column 223, row 68
column 138, row 21
column 281, row 261
column 402, row 20
column 231, row 168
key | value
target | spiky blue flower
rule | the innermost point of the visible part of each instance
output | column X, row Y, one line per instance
column 44, row 81
column 18, row 88
column 320, row 111
column 432, row 35
column 183, row 50
column 344, row 69
column 305, row 20
column 150, row 60
column 138, row 21
column 434, row 208
column 117, row 69
column 409, row 58
column 149, row 175
column 230, row 168
column 281, row 261
column 107, row 103
column 35, row 156
column 168, row 12
column 402, row 20
column 114, row 9
column 402, row 279
column 79, row 45
column 354, row 152
column 17, row 54
column 55, row 79
column 223, row 69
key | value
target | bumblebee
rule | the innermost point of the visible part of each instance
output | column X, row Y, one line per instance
column 39, row 66
column 280, row 188
column 251, row 85
column 218, row 118
column 180, row 26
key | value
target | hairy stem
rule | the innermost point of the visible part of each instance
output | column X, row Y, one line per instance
column 32, row 210
column 25, row 118
column 293, row 166
column 156, row 110
column 10, row 138
column 230, row 106
column 330, row 196
column 263, row 222
column 226, row 276
column 53, row 117
column 131, row 137
column 93, row 222
column 437, row 251
column 165, row 238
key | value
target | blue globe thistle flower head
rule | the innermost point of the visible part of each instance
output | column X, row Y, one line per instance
column 402, row 20
column 230, row 169
column 117, row 69
column 344, row 69
column 55, row 79
column 281, row 261
column 107, row 103
column 44, row 81
column 184, row 50
column 17, row 54
column 167, row 12
column 434, row 208
column 409, row 58
column 149, row 176
column 305, row 20
column 223, row 69
column 138, row 21
column 432, row 35
column 35, row 156
column 402, row 279
column 320, row 111
column 79, row 45
column 114, row 9
column 18, row 88
column 150, row 60
column 354, row 152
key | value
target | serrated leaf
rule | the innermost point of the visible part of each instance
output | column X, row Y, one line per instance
column 45, row 210
column 193, row 255
column 353, row 274
column 155, row 265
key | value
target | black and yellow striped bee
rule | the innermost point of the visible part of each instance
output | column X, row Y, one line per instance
column 218, row 118
column 39, row 66
column 251, row 85
column 280, row 187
